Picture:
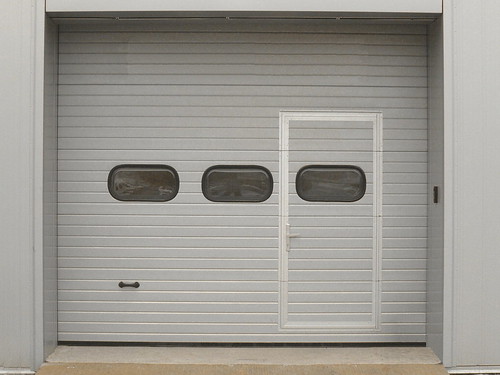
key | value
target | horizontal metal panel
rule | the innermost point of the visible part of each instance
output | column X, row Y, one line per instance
column 332, row 275
column 166, row 263
column 330, row 308
column 192, row 286
column 405, row 210
column 329, row 297
column 331, row 243
column 168, row 220
column 167, row 275
column 191, row 194
column 392, row 199
column 243, row 69
column 406, row 188
column 228, row 79
column 403, row 307
column 419, row 242
column 332, row 232
column 232, row 112
column 170, row 297
column 154, row 143
column 405, row 145
column 405, row 253
column 162, row 317
column 404, row 318
column 402, row 167
column 404, row 178
column 404, row 286
column 327, row 286
column 248, row 338
column 231, row 231
column 288, row 48
column 240, row 58
column 168, row 155
column 166, row 307
column 135, row 208
column 162, row 231
column 360, row 158
column 342, row 253
column 399, row 222
column 329, row 318
column 193, row 120
column 224, row 37
column 405, row 232
column 169, row 328
column 173, row 328
column 330, row 264
column 174, row 253
column 294, row 26
column 238, row 132
column 254, row 92
column 180, row 241
column 404, row 275
column 167, row 132
column 404, row 297
column 404, row 264
column 323, row 145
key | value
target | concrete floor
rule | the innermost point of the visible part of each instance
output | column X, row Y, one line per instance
column 239, row 356
column 91, row 360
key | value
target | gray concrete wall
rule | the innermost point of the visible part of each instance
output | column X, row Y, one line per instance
column 49, row 216
column 476, row 122
column 16, row 188
column 435, row 232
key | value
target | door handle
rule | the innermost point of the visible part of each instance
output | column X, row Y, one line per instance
column 121, row 284
column 289, row 235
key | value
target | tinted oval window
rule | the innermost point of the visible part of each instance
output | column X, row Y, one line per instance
column 247, row 183
column 325, row 183
column 153, row 183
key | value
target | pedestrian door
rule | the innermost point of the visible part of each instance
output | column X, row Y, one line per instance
column 330, row 221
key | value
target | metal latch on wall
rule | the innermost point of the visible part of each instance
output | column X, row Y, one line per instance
column 435, row 194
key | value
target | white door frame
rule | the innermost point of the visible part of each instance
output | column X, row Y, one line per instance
column 284, row 235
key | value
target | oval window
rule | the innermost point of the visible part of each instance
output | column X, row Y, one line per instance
column 139, row 182
column 238, row 183
column 330, row 183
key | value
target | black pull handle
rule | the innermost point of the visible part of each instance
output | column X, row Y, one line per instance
column 121, row 284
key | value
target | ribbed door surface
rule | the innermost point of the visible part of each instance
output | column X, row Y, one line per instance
column 196, row 94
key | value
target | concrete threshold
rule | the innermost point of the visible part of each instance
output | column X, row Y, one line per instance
column 86, row 360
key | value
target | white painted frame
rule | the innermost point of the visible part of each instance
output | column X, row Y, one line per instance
column 285, row 118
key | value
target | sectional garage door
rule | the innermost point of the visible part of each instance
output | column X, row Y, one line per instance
column 198, row 95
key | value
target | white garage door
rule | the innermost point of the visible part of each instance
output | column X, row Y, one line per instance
column 189, row 101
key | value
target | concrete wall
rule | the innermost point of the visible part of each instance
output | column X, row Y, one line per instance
column 435, row 232
column 49, row 216
column 476, row 121
column 16, row 188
